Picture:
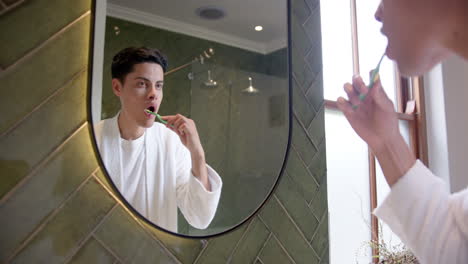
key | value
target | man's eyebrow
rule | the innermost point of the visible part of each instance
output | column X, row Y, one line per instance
column 143, row 78
column 147, row 80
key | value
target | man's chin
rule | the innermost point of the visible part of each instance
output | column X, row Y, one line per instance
column 418, row 64
column 416, row 69
column 150, row 124
column 147, row 123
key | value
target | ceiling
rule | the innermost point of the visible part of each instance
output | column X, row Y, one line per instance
column 235, row 29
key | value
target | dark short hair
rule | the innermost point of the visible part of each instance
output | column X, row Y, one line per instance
column 124, row 60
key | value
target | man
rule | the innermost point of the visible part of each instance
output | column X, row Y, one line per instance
column 432, row 222
column 156, row 168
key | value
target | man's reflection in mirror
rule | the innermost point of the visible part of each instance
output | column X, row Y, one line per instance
column 157, row 167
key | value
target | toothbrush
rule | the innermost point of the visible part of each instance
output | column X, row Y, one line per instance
column 157, row 116
column 373, row 78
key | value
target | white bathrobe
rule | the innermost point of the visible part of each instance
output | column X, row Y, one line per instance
column 166, row 181
column 432, row 222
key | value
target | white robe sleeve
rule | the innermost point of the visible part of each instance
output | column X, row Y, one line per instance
column 428, row 219
column 197, row 204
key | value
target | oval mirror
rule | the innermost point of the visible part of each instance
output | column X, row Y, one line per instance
column 190, row 108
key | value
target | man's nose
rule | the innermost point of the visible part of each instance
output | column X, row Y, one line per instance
column 379, row 12
column 152, row 93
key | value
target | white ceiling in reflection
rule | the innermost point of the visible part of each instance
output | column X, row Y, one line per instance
column 237, row 28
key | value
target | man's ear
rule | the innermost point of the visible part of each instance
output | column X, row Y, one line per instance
column 117, row 86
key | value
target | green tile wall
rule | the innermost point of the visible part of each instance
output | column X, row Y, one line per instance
column 179, row 49
column 92, row 252
column 12, row 2
column 54, row 202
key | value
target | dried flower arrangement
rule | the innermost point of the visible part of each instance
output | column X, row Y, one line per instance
column 387, row 253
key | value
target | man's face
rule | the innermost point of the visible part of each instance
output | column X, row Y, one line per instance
column 142, row 89
column 414, row 30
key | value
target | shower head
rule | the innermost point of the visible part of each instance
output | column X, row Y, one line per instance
column 206, row 54
column 250, row 90
column 210, row 83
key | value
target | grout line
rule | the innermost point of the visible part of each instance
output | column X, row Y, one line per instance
column 312, row 10
column 45, row 101
column 319, row 145
column 43, row 44
column 301, row 91
column 306, row 20
column 40, row 165
column 112, row 194
column 305, row 165
column 309, row 205
column 259, row 260
column 309, row 49
column 309, row 90
column 205, row 246
column 47, row 219
column 309, row 16
column 284, row 249
column 317, row 75
column 264, row 244
column 8, row 8
column 117, row 258
column 305, row 130
column 155, row 238
column 3, row 4
column 322, row 143
column 292, row 220
column 320, row 223
column 315, row 233
column 313, row 44
column 312, row 211
column 240, row 239
column 89, row 236
column 277, row 240
column 309, row 243
column 294, row 80
column 17, row 3
column 318, row 112
column 304, row 88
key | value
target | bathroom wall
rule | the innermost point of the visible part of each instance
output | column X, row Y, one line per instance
column 54, row 200
column 179, row 49
column 455, row 78
column 446, row 126
column 244, row 139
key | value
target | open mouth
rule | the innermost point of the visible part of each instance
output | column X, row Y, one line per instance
column 150, row 112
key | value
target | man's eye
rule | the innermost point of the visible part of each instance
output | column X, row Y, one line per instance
column 141, row 84
column 159, row 86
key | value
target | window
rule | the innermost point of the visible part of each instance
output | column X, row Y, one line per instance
column 352, row 44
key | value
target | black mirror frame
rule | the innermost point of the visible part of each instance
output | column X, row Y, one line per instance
column 106, row 174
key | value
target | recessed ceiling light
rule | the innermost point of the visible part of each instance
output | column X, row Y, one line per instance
column 210, row 12
column 258, row 28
